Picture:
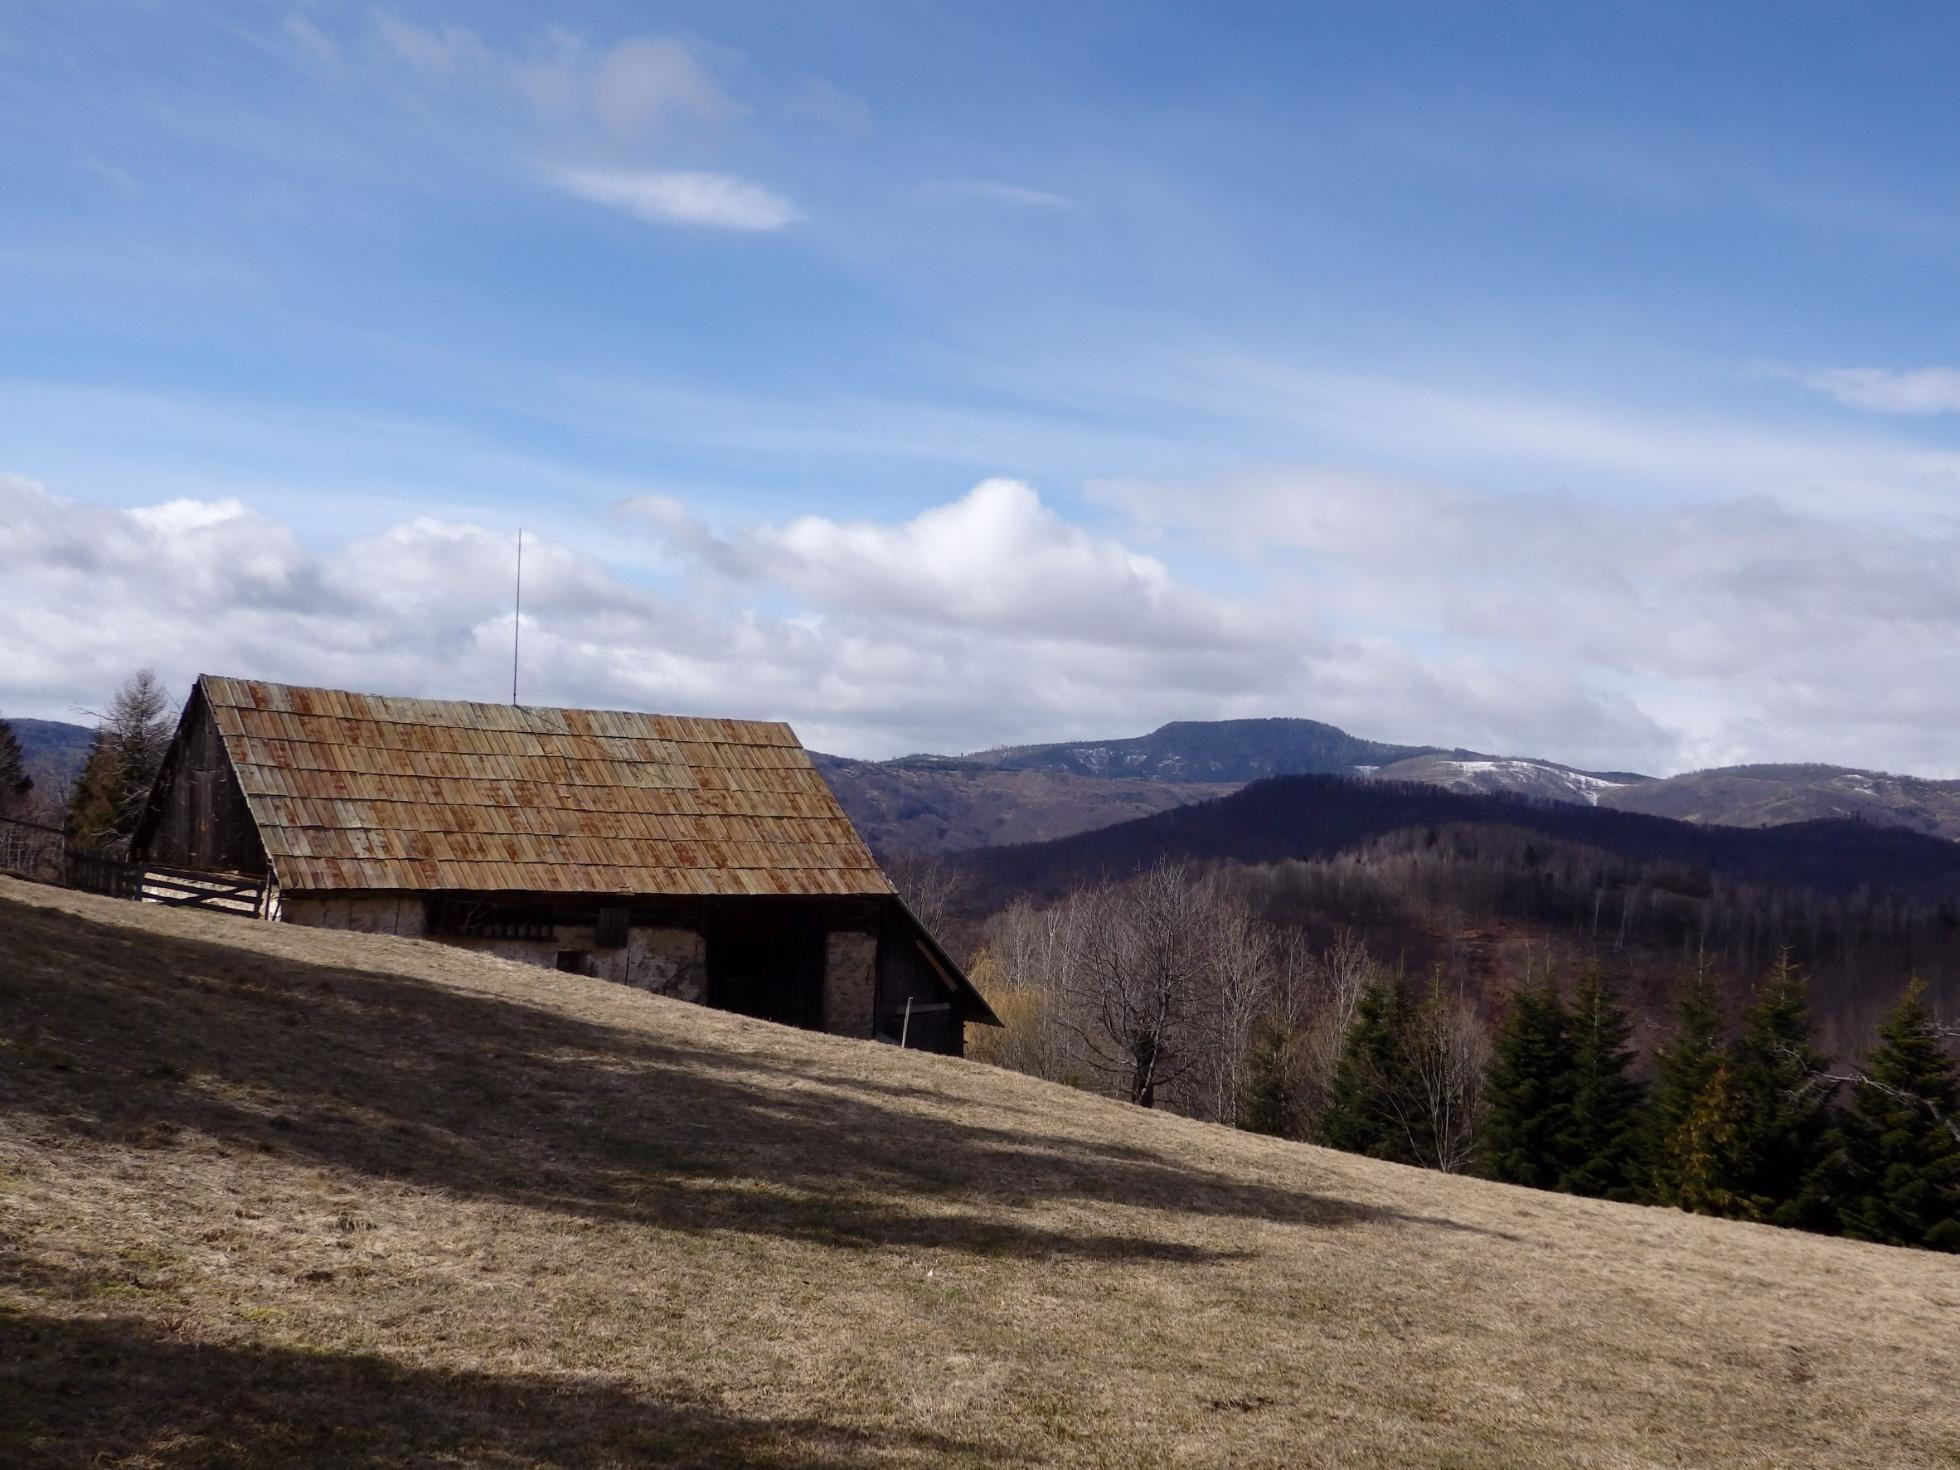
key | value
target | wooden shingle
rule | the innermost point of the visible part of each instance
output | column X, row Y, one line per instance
column 353, row 791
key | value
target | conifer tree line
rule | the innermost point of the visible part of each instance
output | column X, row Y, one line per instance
column 16, row 786
column 1167, row 991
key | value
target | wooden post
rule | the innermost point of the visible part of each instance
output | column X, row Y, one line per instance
column 905, row 1027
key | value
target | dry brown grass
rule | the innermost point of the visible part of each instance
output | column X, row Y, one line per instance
column 275, row 1196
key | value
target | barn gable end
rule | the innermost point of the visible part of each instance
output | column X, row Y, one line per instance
column 197, row 816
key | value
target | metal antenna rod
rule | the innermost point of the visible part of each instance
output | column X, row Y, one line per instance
column 517, row 615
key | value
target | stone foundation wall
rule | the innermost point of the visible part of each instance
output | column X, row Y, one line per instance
column 850, row 983
column 665, row 961
column 404, row 913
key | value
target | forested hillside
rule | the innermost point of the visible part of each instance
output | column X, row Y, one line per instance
column 54, row 753
column 1319, row 816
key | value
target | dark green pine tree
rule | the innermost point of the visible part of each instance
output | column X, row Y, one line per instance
column 1527, row 1135
column 15, row 783
column 92, row 804
column 1785, row 1139
column 1682, row 1072
column 1609, row 1104
column 1902, row 1136
column 1369, row 1101
column 1267, row 1103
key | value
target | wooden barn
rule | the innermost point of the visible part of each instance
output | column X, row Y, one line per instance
column 699, row 858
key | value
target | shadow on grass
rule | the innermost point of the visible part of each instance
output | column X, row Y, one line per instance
column 118, row 1391
column 126, row 1035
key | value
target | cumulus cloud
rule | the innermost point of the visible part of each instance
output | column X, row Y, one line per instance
column 1917, row 392
column 680, row 197
column 986, row 619
column 1526, row 624
column 995, row 560
column 1751, row 629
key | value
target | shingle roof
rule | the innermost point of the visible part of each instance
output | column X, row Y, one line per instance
column 367, row 791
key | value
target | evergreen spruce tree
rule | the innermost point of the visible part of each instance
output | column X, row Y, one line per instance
column 1682, row 1072
column 1266, row 1101
column 1608, row 1103
column 15, row 783
column 1527, row 1135
column 92, row 803
column 1704, row 1150
column 1368, row 1101
column 1785, row 1140
column 1902, row 1135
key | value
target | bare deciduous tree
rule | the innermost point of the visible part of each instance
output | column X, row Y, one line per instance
column 1137, row 974
column 1446, row 1055
column 931, row 886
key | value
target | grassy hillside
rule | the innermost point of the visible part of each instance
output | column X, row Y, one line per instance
column 272, row 1196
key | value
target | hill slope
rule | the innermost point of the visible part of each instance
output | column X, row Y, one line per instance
column 1770, row 796
column 1210, row 750
column 1511, row 775
column 54, row 752
column 933, row 804
column 275, row 1196
column 1318, row 816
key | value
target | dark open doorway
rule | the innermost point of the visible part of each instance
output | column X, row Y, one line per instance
column 768, row 964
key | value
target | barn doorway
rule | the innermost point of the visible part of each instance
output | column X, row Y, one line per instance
column 768, row 965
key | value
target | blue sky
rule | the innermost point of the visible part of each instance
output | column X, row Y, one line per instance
column 1568, row 380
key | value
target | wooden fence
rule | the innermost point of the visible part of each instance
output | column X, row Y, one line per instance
column 42, row 852
column 32, row 849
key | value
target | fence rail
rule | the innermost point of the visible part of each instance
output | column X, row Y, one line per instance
column 32, row 849
column 36, row 850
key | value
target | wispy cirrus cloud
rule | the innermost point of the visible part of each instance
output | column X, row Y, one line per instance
column 998, row 191
column 1917, row 392
column 680, row 197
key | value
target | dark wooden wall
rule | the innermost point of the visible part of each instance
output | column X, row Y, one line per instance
column 197, row 817
column 906, row 973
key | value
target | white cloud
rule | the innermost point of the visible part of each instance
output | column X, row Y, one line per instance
column 987, row 619
column 1917, row 391
column 312, row 40
column 994, row 191
column 680, row 197
column 1754, row 630
column 645, row 78
column 1524, row 624
column 435, row 51
column 1678, row 454
column 829, row 104
column 995, row 560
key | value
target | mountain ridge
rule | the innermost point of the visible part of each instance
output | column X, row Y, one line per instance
column 938, row 804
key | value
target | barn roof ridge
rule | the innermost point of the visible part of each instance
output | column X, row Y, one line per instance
column 208, row 680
